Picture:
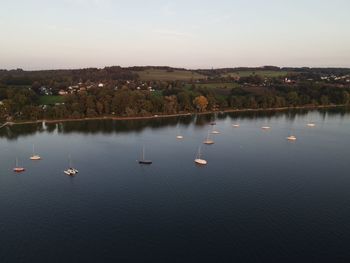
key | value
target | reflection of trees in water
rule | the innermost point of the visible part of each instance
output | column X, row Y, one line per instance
column 121, row 126
column 14, row 131
column 125, row 126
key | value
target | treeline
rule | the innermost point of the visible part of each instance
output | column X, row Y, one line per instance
column 302, row 94
column 64, row 78
column 23, row 104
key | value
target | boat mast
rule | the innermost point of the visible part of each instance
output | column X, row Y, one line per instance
column 199, row 153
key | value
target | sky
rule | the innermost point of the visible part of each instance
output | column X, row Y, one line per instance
column 52, row 34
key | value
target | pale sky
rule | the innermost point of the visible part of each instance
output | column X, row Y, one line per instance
column 51, row 34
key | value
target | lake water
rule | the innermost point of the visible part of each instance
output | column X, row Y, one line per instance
column 261, row 198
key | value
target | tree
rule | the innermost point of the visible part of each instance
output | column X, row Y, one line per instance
column 201, row 103
column 293, row 98
column 346, row 97
column 324, row 100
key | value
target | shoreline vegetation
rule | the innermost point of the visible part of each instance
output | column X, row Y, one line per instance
column 157, row 92
column 120, row 118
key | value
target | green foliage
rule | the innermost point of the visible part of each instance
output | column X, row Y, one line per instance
column 50, row 100
column 176, row 91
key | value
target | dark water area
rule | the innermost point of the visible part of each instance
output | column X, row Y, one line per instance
column 261, row 198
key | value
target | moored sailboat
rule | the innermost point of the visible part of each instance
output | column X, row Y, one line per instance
column 34, row 156
column 143, row 160
column 208, row 141
column 214, row 131
column 17, row 168
column 70, row 171
column 198, row 159
column 291, row 138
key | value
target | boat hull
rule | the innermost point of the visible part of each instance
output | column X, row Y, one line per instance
column 200, row 161
column 18, row 170
column 35, row 158
column 145, row 162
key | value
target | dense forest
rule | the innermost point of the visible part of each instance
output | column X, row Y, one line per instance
column 127, row 92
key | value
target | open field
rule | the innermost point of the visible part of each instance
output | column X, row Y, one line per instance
column 160, row 74
column 228, row 85
column 47, row 100
column 217, row 85
column 262, row 73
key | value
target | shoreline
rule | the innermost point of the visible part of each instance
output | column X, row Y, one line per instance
column 167, row 115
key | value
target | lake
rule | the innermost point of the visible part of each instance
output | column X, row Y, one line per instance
column 260, row 198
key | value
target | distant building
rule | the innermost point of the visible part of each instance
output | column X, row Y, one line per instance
column 101, row 85
column 62, row 92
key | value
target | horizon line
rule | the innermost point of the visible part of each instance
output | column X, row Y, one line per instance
column 173, row 67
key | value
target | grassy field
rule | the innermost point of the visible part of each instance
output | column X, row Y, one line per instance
column 159, row 74
column 47, row 100
column 262, row 73
column 229, row 85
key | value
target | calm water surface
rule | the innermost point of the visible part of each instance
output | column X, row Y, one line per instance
column 259, row 199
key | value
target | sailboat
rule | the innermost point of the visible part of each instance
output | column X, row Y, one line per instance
column 208, row 141
column 214, row 131
column 311, row 124
column 17, row 168
column 291, row 138
column 235, row 125
column 35, row 157
column 179, row 136
column 70, row 171
column 143, row 160
column 198, row 159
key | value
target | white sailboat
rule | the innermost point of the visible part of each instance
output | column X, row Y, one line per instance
column 208, row 141
column 311, row 124
column 179, row 135
column 291, row 138
column 35, row 157
column 198, row 159
column 214, row 131
column 70, row 171
column 235, row 125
